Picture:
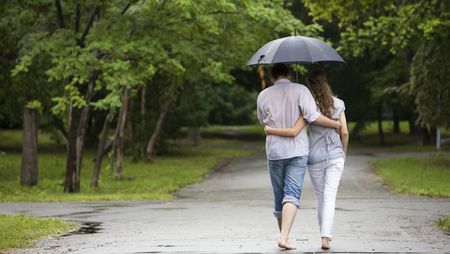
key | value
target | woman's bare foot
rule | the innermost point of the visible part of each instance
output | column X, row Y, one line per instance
column 285, row 245
column 325, row 243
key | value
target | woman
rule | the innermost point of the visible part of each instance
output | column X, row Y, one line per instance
column 327, row 151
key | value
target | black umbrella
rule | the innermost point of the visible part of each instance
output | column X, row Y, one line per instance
column 295, row 50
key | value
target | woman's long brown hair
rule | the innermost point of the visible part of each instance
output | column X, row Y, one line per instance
column 321, row 91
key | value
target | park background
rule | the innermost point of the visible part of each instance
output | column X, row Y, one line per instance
column 133, row 100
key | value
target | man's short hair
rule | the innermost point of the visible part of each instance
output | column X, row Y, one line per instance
column 279, row 70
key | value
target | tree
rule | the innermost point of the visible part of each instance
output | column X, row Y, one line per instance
column 213, row 42
column 30, row 172
column 99, row 52
column 429, row 81
column 82, row 65
column 404, row 28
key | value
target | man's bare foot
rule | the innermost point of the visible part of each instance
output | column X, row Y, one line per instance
column 285, row 245
column 325, row 243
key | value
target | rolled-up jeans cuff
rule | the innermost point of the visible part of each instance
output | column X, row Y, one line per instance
column 277, row 214
column 290, row 199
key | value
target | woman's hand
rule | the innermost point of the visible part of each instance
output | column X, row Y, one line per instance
column 286, row 132
column 267, row 129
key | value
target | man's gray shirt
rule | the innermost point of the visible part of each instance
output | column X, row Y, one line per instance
column 280, row 106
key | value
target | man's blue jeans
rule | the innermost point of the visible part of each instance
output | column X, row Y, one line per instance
column 287, row 177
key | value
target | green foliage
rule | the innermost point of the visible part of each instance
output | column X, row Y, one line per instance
column 16, row 91
column 444, row 223
column 415, row 175
column 391, row 24
column 386, row 35
column 34, row 104
column 193, row 105
column 232, row 105
column 171, row 46
column 429, row 82
column 18, row 231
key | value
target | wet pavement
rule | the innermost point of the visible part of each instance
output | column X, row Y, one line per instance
column 231, row 212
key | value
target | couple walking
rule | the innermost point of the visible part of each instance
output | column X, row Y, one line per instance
column 284, row 109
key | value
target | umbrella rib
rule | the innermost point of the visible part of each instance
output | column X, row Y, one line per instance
column 309, row 50
column 272, row 46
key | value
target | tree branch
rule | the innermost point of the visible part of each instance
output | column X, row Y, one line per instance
column 125, row 9
column 77, row 18
column 89, row 25
column 60, row 13
column 131, row 2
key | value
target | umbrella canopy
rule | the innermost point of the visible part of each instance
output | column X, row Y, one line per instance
column 295, row 50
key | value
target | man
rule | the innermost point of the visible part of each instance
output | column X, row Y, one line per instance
column 280, row 106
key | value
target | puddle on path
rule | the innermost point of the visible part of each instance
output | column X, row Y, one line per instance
column 86, row 228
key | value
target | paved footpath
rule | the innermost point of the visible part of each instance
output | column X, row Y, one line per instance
column 231, row 212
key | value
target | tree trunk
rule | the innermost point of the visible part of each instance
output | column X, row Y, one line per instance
column 396, row 120
column 433, row 135
column 413, row 128
column 438, row 138
column 100, row 153
column 116, row 144
column 411, row 124
column 143, row 99
column 81, row 134
column 149, row 152
column 120, row 143
column 129, row 123
column 29, row 173
column 71, row 163
column 194, row 135
column 112, row 160
column 75, row 142
column 380, row 124
column 426, row 137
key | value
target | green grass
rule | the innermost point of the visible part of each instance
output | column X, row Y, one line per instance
column 388, row 126
column 183, row 165
column 255, row 129
column 18, row 231
column 444, row 223
column 11, row 141
column 416, row 175
column 402, row 142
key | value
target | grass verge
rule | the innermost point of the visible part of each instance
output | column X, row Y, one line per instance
column 416, row 175
column 18, row 231
column 444, row 223
column 183, row 165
